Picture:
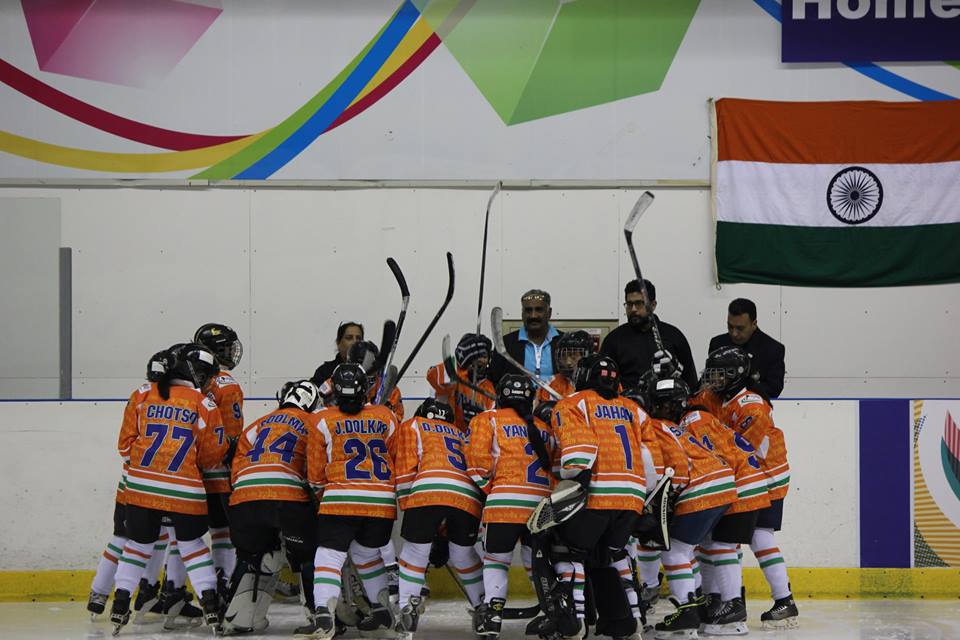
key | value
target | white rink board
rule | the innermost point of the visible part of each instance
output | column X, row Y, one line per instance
column 62, row 474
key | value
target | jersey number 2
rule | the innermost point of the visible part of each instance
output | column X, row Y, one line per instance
column 360, row 449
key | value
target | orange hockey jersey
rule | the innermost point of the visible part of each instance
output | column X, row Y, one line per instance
column 431, row 467
column 394, row 403
column 271, row 458
column 168, row 444
column 349, row 464
column 455, row 394
column 733, row 449
column 502, row 462
column 703, row 479
column 752, row 417
column 605, row 436
column 559, row 383
column 225, row 391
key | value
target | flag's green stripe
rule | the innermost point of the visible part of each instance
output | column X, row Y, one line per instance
column 838, row 257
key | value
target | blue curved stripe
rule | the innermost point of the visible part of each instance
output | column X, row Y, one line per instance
column 345, row 94
column 871, row 70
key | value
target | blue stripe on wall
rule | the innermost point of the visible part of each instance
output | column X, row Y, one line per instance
column 885, row 483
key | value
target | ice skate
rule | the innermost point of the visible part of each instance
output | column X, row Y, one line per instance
column 728, row 619
column 120, row 612
column 782, row 615
column 682, row 623
column 96, row 604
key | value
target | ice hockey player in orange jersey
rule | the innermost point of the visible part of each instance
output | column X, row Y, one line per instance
column 502, row 459
column 570, row 348
column 706, row 487
column 433, row 489
column 350, row 469
column 365, row 354
column 228, row 396
column 169, row 438
column 748, row 411
column 473, row 357
column 271, row 498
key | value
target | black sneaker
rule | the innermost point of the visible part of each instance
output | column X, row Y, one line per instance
column 729, row 619
column 120, row 612
column 682, row 623
column 782, row 615
column 212, row 608
column 489, row 618
column 96, row 603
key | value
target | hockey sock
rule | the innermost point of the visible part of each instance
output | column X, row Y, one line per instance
column 708, row 574
column 224, row 555
column 526, row 557
column 107, row 568
column 199, row 564
column 496, row 571
column 152, row 573
column 389, row 554
column 327, row 564
column 678, row 569
column 626, row 579
column 722, row 562
column 132, row 564
column 370, row 568
column 648, row 561
column 176, row 572
column 573, row 571
column 765, row 548
column 697, row 573
column 469, row 568
column 414, row 558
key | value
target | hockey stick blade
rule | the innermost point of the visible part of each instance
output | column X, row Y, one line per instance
column 643, row 203
column 389, row 333
column 483, row 254
column 450, row 365
column 383, row 391
column 433, row 323
column 496, row 329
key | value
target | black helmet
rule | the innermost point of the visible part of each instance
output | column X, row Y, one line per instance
column 570, row 348
column 194, row 363
column 365, row 354
column 597, row 372
column 158, row 365
column 727, row 370
column 668, row 398
column 302, row 394
column 350, row 387
column 515, row 391
column 471, row 348
column 544, row 410
column 433, row 409
column 223, row 341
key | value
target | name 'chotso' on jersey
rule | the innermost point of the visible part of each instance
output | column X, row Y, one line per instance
column 169, row 443
column 349, row 462
column 271, row 458
column 227, row 394
column 431, row 467
column 605, row 436
column 503, row 464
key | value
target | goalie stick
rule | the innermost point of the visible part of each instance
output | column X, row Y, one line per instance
column 643, row 203
column 405, row 300
column 436, row 318
column 496, row 330
column 450, row 365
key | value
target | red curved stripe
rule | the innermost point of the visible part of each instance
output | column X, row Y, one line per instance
column 104, row 120
column 387, row 85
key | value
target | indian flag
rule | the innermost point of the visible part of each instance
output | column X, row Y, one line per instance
column 839, row 194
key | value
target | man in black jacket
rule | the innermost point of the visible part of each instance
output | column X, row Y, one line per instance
column 766, row 362
column 532, row 345
column 631, row 345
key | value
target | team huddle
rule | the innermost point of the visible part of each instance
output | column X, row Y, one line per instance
column 605, row 489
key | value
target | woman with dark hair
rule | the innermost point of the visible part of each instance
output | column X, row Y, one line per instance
column 347, row 334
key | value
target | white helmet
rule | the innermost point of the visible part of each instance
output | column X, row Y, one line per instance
column 303, row 394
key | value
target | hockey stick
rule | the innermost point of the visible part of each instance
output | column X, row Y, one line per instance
column 483, row 255
column 436, row 318
column 450, row 365
column 496, row 330
column 405, row 293
column 389, row 334
column 643, row 203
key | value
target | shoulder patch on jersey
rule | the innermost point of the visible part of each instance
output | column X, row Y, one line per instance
column 225, row 379
column 749, row 398
column 691, row 417
column 209, row 404
column 145, row 387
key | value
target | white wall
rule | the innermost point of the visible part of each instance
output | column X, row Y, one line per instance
column 286, row 266
column 62, row 475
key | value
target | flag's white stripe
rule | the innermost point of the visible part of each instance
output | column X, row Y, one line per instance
column 796, row 194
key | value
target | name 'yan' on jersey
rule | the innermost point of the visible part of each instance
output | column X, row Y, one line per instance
column 752, row 417
column 271, row 458
column 431, row 467
column 349, row 464
column 737, row 452
column 606, row 436
column 168, row 444
column 225, row 391
column 502, row 462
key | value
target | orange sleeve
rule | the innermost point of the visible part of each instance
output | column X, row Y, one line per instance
column 403, row 447
column 210, row 451
column 231, row 410
column 479, row 454
column 395, row 403
column 317, row 456
column 438, row 380
column 578, row 443
column 129, row 428
column 755, row 424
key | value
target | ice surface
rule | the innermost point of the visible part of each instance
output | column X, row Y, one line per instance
column 819, row 619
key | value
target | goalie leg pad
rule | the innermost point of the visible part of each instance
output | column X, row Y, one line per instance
column 252, row 587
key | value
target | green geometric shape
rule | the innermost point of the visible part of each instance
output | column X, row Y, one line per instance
column 539, row 58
